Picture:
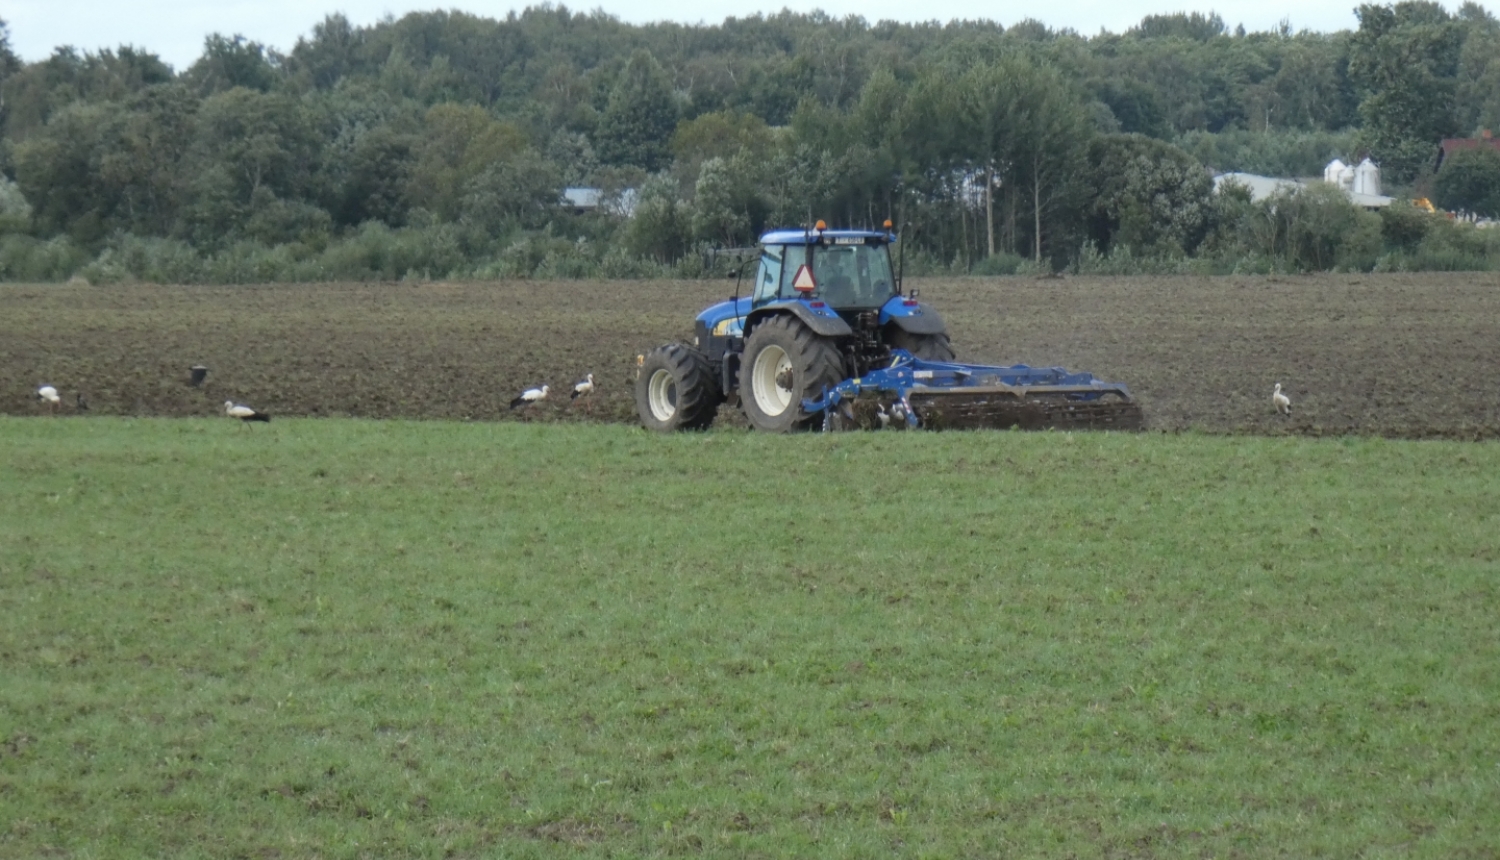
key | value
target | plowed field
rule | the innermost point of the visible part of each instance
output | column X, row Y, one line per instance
column 1391, row 355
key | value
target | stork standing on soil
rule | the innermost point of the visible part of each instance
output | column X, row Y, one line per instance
column 244, row 413
column 83, row 405
column 48, row 395
column 1283, row 403
column 583, row 387
column 530, row 396
column 198, row 373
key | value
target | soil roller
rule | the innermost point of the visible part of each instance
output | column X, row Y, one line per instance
column 942, row 395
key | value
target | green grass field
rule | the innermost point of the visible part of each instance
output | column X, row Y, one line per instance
column 332, row 638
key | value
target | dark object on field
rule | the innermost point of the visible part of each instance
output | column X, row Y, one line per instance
column 530, row 396
column 199, row 374
column 244, row 413
column 83, row 405
column 827, row 324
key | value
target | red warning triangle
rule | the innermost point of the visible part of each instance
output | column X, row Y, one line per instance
column 804, row 282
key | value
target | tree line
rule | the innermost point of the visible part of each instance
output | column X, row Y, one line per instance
column 439, row 144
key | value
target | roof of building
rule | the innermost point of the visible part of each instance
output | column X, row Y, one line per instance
column 583, row 198
column 1456, row 144
column 595, row 198
column 1262, row 187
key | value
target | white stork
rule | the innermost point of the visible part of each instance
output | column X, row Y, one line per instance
column 530, row 396
column 583, row 387
column 244, row 413
column 48, row 395
column 1283, row 403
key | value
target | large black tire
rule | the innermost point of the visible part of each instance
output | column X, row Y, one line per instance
column 677, row 389
column 785, row 363
column 931, row 347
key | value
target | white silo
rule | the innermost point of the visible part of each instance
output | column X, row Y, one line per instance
column 1332, row 171
column 1367, row 178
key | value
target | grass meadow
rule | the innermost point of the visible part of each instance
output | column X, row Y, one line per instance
column 342, row 638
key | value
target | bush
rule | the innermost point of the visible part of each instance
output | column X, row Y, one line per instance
column 23, row 258
column 376, row 251
column 1123, row 261
column 1404, row 226
column 1315, row 228
column 1002, row 263
column 1470, row 182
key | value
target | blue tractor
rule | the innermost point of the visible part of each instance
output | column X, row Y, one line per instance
column 827, row 339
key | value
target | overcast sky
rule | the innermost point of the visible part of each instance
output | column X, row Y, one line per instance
column 174, row 29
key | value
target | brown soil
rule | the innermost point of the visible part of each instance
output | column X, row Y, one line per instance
column 1391, row 355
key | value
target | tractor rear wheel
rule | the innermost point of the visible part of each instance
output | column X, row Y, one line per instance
column 785, row 363
column 930, row 347
column 676, row 389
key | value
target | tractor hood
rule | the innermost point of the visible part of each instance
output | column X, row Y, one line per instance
column 726, row 319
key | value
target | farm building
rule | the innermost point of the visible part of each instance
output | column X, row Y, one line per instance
column 1458, row 144
column 1361, row 183
column 581, row 200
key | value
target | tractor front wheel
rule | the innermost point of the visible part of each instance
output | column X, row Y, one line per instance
column 676, row 389
column 785, row 363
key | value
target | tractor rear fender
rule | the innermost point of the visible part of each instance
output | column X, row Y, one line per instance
column 822, row 321
column 912, row 316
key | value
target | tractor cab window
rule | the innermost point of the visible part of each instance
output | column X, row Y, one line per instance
column 847, row 276
column 768, row 281
column 853, row 276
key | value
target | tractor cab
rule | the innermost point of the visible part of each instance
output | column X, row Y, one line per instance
column 849, row 270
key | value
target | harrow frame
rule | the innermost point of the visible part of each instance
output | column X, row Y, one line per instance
column 949, row 395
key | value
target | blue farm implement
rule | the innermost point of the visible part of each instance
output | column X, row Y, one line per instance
column 827, row 339
column 914, row 393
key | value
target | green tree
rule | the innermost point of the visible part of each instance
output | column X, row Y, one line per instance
column 521, row 191
column 9, row 62
column 638, row 122
column 725, row 202
column 458, row 143
column 227, row 63
column 251, row 150
column 1023, row 129
column 1405, row 58
column 1470, row 182
column 1478, row 94
column 332, row 53
column 661, row 228
column 721, row 134
column 1196, row 27
column 58, row 170
column 144, row 161
column 1148, row 195
column 370, row 141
